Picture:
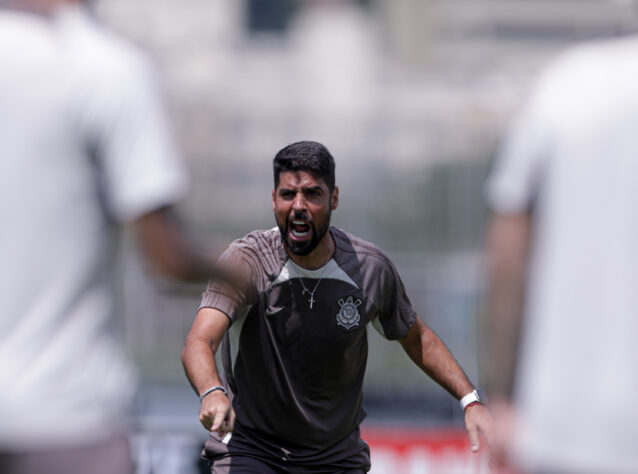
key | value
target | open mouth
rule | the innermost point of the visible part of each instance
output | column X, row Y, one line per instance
column 300, row 230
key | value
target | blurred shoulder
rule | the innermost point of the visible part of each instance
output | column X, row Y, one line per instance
column 100, row 51
column 590, row 59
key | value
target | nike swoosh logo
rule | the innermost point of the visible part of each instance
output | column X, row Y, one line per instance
column 271, row 311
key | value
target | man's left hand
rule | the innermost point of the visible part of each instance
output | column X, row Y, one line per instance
column 478, row 421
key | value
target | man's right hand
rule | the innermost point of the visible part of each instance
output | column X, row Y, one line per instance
column 216, row 413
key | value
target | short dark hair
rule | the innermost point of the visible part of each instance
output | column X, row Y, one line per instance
column 308, row 156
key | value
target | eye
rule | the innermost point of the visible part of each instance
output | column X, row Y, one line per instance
column 286, row 194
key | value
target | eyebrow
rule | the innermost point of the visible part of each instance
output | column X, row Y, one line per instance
column 305, row 188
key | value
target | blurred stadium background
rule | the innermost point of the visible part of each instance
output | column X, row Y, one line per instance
column 411, row 97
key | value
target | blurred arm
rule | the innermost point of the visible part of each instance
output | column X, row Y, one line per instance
column 198, row 358
column 428, row 352
column 507, row 249
column 170, row 251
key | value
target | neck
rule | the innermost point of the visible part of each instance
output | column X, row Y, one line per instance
column 320, row 255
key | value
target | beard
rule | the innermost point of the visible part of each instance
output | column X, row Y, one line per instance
column 307, row 246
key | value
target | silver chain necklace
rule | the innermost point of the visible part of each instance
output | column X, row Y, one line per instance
column 306, row 290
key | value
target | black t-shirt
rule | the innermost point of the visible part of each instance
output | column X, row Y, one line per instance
column 296, row 366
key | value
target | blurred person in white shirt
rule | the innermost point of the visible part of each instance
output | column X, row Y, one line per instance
column 563, row 258
column 84, row 149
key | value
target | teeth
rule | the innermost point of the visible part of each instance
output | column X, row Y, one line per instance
column 297, row 222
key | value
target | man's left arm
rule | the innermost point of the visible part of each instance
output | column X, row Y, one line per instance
column 428, row 352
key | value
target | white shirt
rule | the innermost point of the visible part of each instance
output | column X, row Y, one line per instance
column 573, row 157
column 83, row 146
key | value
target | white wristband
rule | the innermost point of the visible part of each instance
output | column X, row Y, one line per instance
column 473, row 396
column 212, row 389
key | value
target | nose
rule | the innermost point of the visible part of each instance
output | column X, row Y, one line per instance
column 299, row 202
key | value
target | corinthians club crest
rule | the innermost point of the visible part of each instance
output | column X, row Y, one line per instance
column 348, row 315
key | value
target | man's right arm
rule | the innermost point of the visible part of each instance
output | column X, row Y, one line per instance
column 171, row 251
column 198, row 358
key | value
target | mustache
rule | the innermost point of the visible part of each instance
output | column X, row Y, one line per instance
column 301, row 215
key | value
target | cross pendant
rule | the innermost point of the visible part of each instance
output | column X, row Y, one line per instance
column 312, row 300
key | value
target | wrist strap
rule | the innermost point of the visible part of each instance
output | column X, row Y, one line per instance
column 471, row 404
column 211, row 390
column 474, row 396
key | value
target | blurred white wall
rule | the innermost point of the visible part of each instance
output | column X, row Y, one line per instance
column 392, row 88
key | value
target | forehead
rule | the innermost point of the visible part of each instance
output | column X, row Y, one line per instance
column 300, row 179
